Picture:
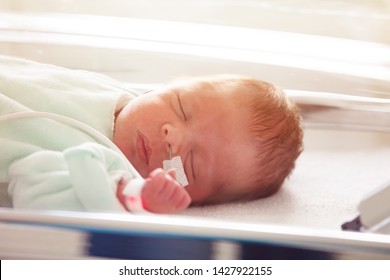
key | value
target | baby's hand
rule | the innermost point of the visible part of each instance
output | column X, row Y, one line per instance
column 163, row 194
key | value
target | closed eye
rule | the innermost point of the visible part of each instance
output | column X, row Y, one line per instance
column 181, row 107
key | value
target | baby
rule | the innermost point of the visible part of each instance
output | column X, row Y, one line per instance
column 237, row 137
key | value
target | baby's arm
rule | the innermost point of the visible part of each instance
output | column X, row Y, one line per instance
column 82, row 178
column 89, row 177
column 161, row 193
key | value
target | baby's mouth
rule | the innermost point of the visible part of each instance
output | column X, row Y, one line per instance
column 143, row 149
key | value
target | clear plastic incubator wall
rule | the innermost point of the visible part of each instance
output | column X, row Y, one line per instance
column 331, row 57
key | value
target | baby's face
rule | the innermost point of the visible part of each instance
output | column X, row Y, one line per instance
column 207, row 129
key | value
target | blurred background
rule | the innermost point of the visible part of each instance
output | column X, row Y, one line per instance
column 352, row 19
column 319, row 45
column 336, row 46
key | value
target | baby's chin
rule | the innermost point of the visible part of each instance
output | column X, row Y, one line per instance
column 144, row 172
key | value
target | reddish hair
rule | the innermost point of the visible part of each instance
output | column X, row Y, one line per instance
column 276, row 129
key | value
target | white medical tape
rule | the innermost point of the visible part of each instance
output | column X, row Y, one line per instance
column 176, row 164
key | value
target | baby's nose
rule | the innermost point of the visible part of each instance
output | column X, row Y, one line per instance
column 175, row 137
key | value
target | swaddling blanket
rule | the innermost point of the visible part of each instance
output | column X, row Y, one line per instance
column 42, row 159
column 81, row 178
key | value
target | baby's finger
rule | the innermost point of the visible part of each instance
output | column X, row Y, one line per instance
column 172, row 173
column 155, row 172
column 180, row 198
column 155, row 183
column 169, row 187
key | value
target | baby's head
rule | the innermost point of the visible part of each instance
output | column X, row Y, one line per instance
column 238, row 137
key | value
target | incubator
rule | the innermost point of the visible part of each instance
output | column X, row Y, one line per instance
column 341, row 84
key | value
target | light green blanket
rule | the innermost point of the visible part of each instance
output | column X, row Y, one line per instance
column 38, row 155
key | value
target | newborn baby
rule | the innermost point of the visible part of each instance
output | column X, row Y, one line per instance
column 235, row 138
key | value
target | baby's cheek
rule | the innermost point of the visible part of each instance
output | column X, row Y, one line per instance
column 191, row 190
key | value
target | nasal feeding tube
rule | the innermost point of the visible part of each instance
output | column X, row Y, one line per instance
column 95, row 134
column 176, row 164
column 172, row 163
column 135, row 185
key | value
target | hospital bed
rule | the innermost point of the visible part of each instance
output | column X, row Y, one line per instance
column 345, row 105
